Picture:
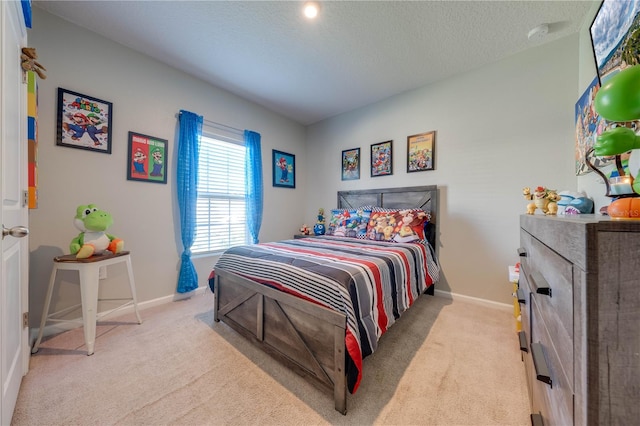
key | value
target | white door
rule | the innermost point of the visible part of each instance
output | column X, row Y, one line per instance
column 14, row 337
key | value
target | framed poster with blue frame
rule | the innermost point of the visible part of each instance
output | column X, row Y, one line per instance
column 284, row 169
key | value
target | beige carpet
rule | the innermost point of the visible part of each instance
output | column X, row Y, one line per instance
column 444, row 363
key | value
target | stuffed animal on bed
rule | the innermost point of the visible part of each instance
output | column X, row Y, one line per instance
column 319, row 228
column 92, row 223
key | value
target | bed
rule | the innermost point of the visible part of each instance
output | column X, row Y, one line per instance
column 320, row 304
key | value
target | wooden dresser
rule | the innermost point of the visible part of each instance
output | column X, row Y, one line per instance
column 579, row 293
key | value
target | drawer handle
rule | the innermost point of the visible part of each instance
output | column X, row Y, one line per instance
column 540, row 364
column 541, row 285
column 536, row 420
column 522, row 336
column 522, row 252
column 520, row 296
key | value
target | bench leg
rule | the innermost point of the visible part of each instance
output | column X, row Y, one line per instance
column 45, row 309
column 89, row 280
column 133, row 289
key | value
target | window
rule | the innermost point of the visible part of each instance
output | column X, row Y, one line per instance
column 220, row 216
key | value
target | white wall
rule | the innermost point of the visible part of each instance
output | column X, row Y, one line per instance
column 499, row 128
column 146, row 96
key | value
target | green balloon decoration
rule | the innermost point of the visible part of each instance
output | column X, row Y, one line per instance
column 619, row 98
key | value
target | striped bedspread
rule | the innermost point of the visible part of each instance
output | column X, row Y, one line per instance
column 371, row 282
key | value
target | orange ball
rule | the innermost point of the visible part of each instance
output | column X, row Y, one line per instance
column 625, row 208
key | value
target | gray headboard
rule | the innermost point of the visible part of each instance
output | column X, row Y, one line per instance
column 424, row 197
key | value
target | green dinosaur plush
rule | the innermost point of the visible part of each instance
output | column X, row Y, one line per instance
column 92, row 223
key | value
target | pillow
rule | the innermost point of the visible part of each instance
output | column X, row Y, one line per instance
column 393, row 225
column 381, row 224
column 410, row 225
column 349, row 222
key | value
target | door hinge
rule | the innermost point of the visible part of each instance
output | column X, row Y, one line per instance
column 25, row 319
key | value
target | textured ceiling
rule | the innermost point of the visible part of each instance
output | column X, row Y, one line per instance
column 354, row 54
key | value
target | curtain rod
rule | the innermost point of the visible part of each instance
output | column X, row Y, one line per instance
column 219, row 125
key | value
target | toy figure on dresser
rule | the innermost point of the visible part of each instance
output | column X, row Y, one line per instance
column 318, row 228
column 618, row 100
column 574, row 203
column 543, row 198
column 304, row 230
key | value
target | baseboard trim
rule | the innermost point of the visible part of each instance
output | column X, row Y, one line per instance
column 489, row 303
column 61, row 327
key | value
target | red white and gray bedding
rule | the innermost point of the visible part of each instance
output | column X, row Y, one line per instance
column 371, row 282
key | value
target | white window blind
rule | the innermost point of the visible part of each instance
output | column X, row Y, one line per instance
column 220, row 217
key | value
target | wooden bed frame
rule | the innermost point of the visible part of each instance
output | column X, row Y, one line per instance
column 308, row 338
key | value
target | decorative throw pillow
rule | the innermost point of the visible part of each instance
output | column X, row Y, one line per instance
column 394, row 225
column 410, row 225
column 381, row 224
column 349, row 222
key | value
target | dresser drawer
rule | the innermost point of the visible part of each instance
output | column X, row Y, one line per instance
column 524, row 294
column 550, row 279
column 530, row 373
column 552, row 395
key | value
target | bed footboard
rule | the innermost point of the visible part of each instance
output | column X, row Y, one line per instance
column 308, row 338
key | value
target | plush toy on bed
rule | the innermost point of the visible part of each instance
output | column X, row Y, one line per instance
column 319, row 228
column 92, row 223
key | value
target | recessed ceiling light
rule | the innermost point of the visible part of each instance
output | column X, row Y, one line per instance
column 311, row 9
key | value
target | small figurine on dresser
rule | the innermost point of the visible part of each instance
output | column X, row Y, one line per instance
column 543, row 198
column 318, row 228
column 571, row 203
column 304, row 230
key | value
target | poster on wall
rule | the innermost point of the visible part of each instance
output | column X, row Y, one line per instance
column 615, row 37
column 588, row 126
column 284, row 169
column 351, row 164
column 381, row 159
column 420, row 151
column 84, row 122
column 147, row 158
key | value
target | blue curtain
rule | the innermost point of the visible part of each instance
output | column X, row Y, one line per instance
column 253, row 181
column 187, row 176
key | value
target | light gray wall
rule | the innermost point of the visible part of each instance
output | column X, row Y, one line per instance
column 146, row 96
column 499, row 128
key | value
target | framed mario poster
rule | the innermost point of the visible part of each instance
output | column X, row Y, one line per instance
column 84, row 122
column 284, row 169
column 147, row 158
